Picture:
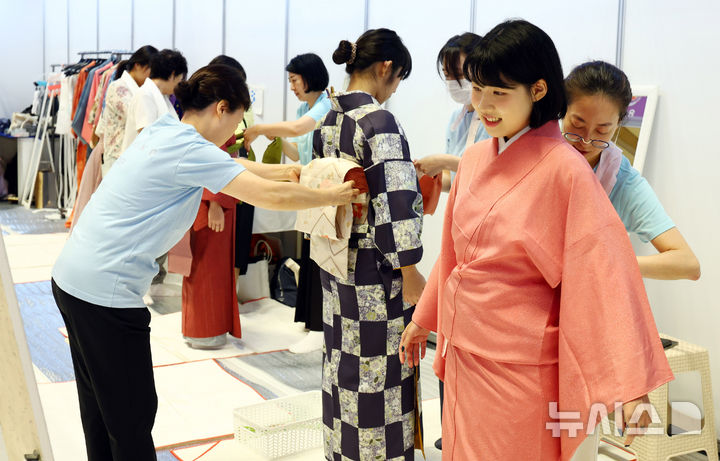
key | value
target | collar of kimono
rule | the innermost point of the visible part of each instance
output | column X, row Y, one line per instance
column 608, row 167
column 496, row 172
column 502, row 144
column 344, row 102
column 129, row 82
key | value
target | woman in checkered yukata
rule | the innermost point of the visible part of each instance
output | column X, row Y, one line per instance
column 368, row 396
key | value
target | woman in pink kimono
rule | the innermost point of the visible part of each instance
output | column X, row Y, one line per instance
column 536, row 296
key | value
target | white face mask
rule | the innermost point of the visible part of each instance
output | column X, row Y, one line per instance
column 461, row 92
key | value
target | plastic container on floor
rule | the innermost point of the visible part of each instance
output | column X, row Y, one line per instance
column 282, row 426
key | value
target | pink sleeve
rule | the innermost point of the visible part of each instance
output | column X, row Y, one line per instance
column 426, row 311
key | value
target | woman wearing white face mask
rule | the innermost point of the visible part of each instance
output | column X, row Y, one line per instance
column 464, row 128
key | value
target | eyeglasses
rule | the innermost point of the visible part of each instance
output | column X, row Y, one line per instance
column 596, row 143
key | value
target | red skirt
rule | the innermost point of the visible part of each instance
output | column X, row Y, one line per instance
column 209, row 301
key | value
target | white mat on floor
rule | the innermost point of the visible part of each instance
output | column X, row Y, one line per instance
column 227, row 450
column 267, row 325
column 195, row 403
column 31, row 256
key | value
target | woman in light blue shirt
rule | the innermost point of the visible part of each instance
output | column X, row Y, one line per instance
column 308, row 79
column 598, row 96
column 464, row 128
column 145, row 204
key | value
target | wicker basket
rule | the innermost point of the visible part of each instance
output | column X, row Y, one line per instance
column 281, row 427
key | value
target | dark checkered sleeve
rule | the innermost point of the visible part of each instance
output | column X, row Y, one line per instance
column 395, row 212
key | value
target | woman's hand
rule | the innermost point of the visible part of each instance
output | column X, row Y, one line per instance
column 432, row 165
column 251, row 133
column 413, row 284
column 216, row 217
column 293, row 172
column 413, row 344
column 638, row 428
column 341, row 194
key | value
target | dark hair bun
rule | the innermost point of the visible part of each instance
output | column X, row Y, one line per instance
column 186, row 90
column 211, row 84
column 343, row 53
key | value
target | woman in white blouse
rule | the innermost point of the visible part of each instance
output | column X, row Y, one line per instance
column 133, row 74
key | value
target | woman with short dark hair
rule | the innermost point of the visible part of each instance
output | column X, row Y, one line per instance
column 308, row 80
column 146, row 203
column 537, row 298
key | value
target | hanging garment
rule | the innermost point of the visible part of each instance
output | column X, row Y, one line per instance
column 368, row 396
column 525, row 285
column 89, row 184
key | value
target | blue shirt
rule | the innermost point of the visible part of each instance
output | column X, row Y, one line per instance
column 142, row 208
column 318, row 111
column 456, row 139
column 638, row 206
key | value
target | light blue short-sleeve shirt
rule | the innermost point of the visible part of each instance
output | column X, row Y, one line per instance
column 639, row 208
column 455, row 139
column 316, row 112
column 142, row 208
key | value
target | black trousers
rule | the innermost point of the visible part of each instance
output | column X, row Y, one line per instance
column 309, row 305
column 110, row 350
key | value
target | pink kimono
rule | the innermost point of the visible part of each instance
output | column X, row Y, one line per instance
column 536, row 298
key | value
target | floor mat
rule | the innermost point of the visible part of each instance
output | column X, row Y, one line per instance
column 31, row 257
column 49, row 350
column 195, row 403
column 16, row 219
column 267, row 325
column 278, row 373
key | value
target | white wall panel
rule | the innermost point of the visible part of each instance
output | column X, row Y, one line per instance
column 153, row 24
column 421, row 103
column 674, row 46
column 83, row 26
column 115, row 24
column 581, row 31
column 21, row 54
column 259, row 45
column 198, row 31
column 56, row 33
column 348, row 21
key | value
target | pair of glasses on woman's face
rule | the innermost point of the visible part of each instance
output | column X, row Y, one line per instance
column 596, row 143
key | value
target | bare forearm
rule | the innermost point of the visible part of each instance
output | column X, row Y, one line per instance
column 670, row 265
column 290, row 150
column 284, row 129
column 264, row 170
column 275, row 195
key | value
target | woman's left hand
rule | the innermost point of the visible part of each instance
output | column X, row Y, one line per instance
column 293, row 172
column 413, row 344
column 413, row 284
column 638, row 428
column 216, row 217
column 251, row 133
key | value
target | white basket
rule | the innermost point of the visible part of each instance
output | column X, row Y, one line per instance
column 281, row 427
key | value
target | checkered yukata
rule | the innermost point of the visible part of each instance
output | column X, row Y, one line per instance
column 368, row 396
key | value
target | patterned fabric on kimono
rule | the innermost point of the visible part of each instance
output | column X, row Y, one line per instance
column 330, row 227
column 368, row 396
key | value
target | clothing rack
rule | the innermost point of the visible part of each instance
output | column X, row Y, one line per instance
column 111, row 52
